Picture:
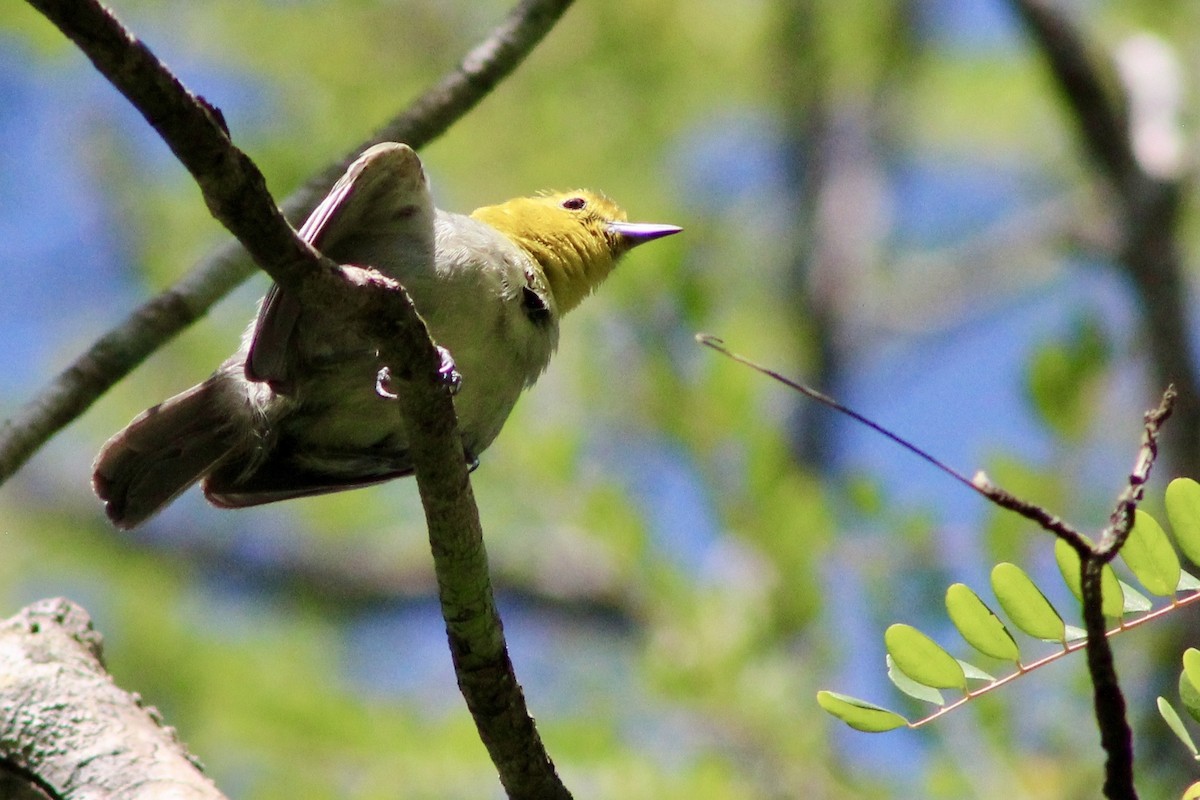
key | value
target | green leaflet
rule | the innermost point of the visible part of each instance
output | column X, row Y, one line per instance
column 1183, row 512
column 978, row 625
column 1025, row 604
column 1191, row 666
column 974, row 673
column 1112, row 597
column 1187, row 582
column 1135, row 601
column 910, row 687
column 1189, row 683
column 859, row 714
column 1149, row 555
column 1171, row 717
column 923, row 659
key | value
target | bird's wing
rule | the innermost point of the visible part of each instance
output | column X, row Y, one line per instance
column 383, row 198
column 282, row 478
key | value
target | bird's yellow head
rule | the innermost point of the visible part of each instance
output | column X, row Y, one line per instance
column 576, row 237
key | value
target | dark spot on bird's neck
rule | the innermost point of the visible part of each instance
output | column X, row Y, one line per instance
column 535, row 306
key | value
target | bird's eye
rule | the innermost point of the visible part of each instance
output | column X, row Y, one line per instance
column 574, row 203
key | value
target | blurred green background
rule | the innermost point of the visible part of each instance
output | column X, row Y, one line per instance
column 884, row 197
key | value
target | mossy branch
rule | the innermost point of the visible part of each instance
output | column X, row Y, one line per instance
column 235, row 192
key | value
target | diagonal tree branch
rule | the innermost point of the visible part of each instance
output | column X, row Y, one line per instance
column 1101, row 118
column 1146, row 202
column 70, row 393
column 235, row 191
column 89, row 738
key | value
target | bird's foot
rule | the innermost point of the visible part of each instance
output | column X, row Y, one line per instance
column 448, row 375
column 448, row 372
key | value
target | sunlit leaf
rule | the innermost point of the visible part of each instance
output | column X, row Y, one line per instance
column 923, row 659
column 1191, row 666
column 1171, row 717
column 1134, row 602
column 911, row 688
column 859, row 714
column 978, row 625
column 1187, row 582
column 1025, row 604
column 1112, row 598
column 1149, row 555
column 1191, row 793
column 1183, row 512
column 973, row 672
column 1189, row 695
column 1191, row 663
column 1073, row 633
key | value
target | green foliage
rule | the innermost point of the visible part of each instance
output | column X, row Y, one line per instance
column 920, row 658
column 978, row 624
column 1149, row 554
column 1183, row 511
column 1110, row 588
column 1171, row 717
column 1062, row 375
column 719, row 704
column 911, row 687
column 920, row 667
column 859, row 714
column 1189, row 694
column 1025, row 604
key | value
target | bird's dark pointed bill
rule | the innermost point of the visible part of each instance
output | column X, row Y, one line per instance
column 636, row 233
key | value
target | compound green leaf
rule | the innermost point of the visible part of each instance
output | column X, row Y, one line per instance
column 923, row 659
column 1111, row 596
column 859, row 714
column 911, row 688
column 1025, row 604
column 1149, row 555
column 1183, row 512
column 1171, row 717
column 978, row 625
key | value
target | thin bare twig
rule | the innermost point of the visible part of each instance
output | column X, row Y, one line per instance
column 115, row 354
column 979, row 483
column 235, row 192
column 1108, row 701
column 1121, row 522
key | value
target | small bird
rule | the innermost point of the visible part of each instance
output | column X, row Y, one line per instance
column 298, row 411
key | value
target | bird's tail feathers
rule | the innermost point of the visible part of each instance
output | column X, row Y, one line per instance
column 162, row 452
